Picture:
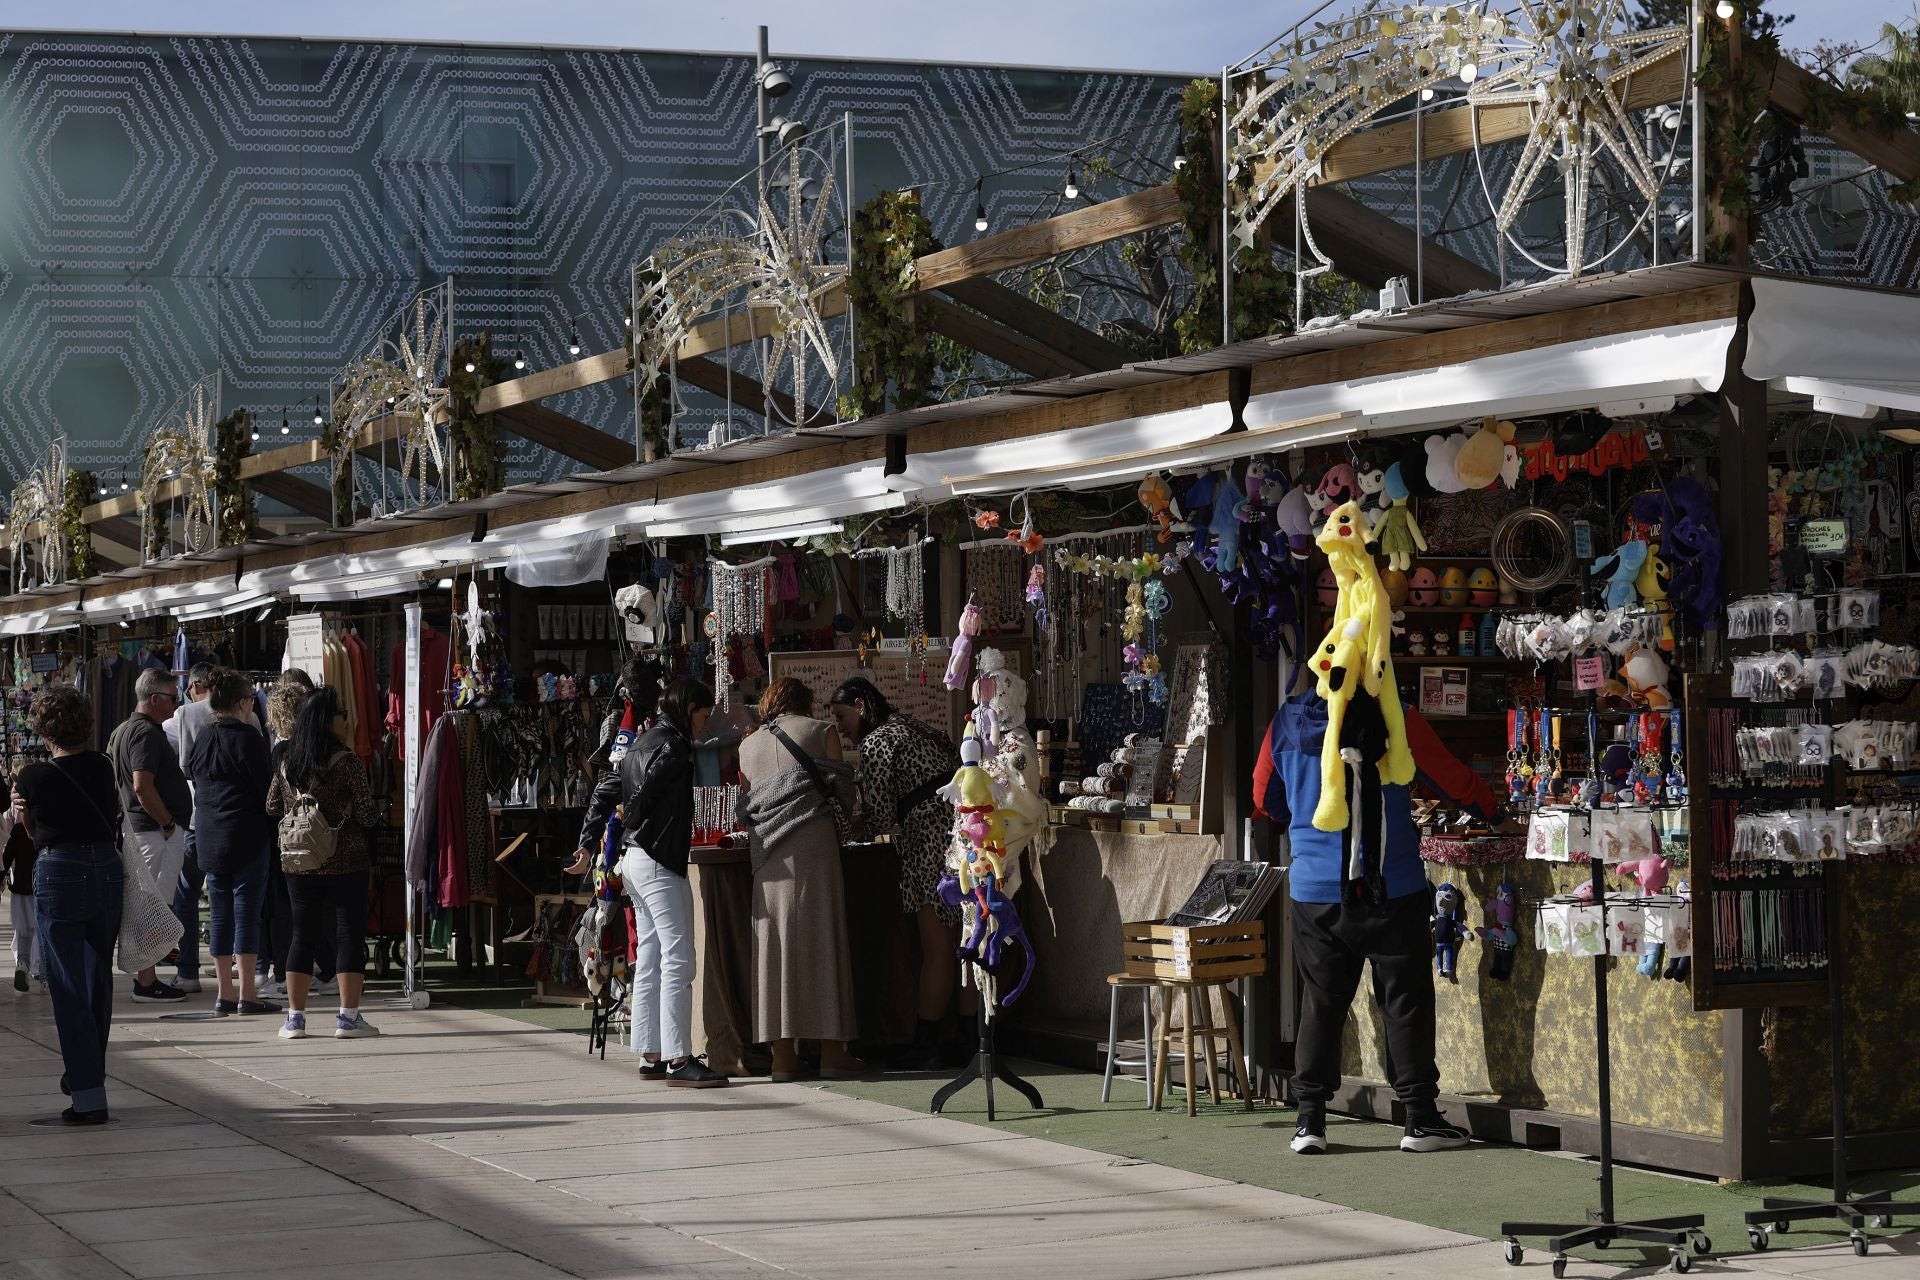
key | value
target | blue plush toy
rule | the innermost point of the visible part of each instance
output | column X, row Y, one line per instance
column 1625, row 563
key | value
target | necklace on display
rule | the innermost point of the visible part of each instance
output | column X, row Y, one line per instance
column 739, row 609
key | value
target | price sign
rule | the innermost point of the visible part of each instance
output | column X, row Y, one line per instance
column 1824, row 537
column 1589, row 673
column 45, row 663
column 1182, row 954
column 1582, row 540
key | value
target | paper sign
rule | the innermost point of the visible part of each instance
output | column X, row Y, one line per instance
column 1582, row 540
column 1589, row 673
column 1182, row 954
column 45, row 662
column 1824, row 537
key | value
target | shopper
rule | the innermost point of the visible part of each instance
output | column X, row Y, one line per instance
column 276, row 915
column 17, row 856
column 1360, row 898
column 903, row 764
column 71, row 809
column 228, row 764
column 653, row 789
column 320, row 774
column 193, row 716
column 795, row 791
column 156, row 800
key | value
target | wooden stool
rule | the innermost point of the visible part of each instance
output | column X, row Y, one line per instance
column 1198, row 1024
column 1115, row 981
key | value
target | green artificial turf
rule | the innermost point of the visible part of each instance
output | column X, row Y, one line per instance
column 1471, row 1191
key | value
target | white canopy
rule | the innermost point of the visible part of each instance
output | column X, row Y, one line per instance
column 1853, row 350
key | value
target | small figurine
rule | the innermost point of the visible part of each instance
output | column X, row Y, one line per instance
column 1502, row 936
column 1449, row 933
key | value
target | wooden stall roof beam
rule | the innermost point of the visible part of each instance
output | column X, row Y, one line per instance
column 1793, row 89
column 705, row 338
column 1025, row 316
column 567, row 436
column 997, row 341
column 1095, row 224
column 1371, row 247
column 712, row 377
column 1394, row 356
column 304, row 496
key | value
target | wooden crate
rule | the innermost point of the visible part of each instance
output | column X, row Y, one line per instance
column 1197, row 953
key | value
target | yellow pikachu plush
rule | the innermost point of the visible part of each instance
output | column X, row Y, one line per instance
column 1356, row 654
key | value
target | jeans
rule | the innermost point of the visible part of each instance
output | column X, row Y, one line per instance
column 1330, row 945
column 164, row 856
column 330, row 914
column 663, row 967
column 186, row 905
column 76, row 894
column 233, row 928
column 25, row 954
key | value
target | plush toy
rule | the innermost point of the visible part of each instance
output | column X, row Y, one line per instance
column 1622, row 567
column 1010, row 760
column 1453, row 586
column 1339, row 485
column 1395, row 582
column 1423, row 589
column 1356, row 655
column 1450, row 931
column 1399, row 533
column 1156, row 495
column 1412, row 465
column 977, row 879
column 1480, row 458
column 1646, row 674
column 1225, row 525
column 1651, row 874
column 1293, row 515
column 1651, row 583
column 1373, row 482
column 1483, row 587
column 1690, row 544
column 1502, row 936
column 1510, row 463
column 1443, row 452
column 1417, row 643
column 972, row 621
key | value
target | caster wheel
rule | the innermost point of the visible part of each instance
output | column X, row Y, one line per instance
column 1681, row 1262
column 1860, row 1246
column 421, row 998
column 1780, row 1227
column 1559, row 1267
column 1881, row 1220
column 1702, row 1245
column 1513, row 1253
column 1757, row 1239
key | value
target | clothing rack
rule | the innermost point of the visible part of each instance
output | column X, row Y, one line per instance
column 1875, row 1208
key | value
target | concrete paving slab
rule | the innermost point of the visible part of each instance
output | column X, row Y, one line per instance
column 345, row 1211
column 291, row 1180
column 181, row 1165
column 37, row 1240
column 88, row 1267
column 281, row 1251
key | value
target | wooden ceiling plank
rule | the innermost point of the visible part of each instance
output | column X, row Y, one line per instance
column 1792, row 90
column 1076, row 344
column 304, row 496
column 1371, row 247
column 997, row 341
column 567, row 436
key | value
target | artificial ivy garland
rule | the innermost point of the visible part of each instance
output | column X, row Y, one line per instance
column 893, row 339
column 1262, row 292
column 479, row 456
column 73, row 528
column 232, row 500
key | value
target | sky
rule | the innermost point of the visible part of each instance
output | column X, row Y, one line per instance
column 1145, row 35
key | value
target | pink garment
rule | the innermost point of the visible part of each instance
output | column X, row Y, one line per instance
column 436, row 672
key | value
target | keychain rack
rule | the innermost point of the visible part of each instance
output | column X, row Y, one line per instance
column 1601, row 1229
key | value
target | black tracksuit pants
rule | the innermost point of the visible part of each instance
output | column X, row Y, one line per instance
column 1331, row 942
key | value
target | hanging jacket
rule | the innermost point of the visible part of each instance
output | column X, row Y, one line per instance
column 1286, row 787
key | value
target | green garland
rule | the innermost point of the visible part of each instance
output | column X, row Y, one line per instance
column 233, row 513
column 343, row 490
column 1262, row 290
column 656, row 402
column 156, row 521
column 80, row 559
column 479, row 455
column 893, row 339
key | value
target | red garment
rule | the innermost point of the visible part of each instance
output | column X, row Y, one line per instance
column 450, row 842
column 1438, row 769
column 365, row 698
column 436, row 677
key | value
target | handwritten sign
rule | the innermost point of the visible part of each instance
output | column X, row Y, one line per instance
column 1589, row 673
column 1824, row 537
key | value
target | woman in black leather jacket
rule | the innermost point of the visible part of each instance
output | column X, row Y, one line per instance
column 653, row 790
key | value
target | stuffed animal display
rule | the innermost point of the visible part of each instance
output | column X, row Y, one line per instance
column 1450, row 931
column 1481, row 458
column 972, row 621
column 1622, row 568
column 1399, row 533
column 1503, row 935
column 1443, row 457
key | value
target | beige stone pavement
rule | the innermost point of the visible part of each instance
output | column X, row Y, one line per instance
column 465, row 1146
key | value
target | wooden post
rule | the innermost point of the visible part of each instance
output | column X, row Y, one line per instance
column 1724, row 226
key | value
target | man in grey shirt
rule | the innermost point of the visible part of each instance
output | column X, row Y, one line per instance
column 155, row 800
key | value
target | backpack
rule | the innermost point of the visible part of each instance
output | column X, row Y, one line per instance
column 307, row 840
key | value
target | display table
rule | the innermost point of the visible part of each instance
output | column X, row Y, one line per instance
column 884, row 949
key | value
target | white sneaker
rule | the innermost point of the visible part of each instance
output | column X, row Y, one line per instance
column 356, row 1028
column 273, row 990
column 331, row 987
column 189, row 985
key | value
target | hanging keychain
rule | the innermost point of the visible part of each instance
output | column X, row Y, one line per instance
column 1517, row 770
column 1543, row 768
column 1676, row 770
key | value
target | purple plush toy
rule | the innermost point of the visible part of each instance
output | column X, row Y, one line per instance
column 1502, row 936
column 1690, row 544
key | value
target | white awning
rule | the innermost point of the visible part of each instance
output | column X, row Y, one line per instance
column 1626, row 373
column 1848, row 338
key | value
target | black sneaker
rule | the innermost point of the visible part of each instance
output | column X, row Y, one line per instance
column 1431, row 1132
column 653, row 1070
column 84, row 1117
column 1310, row 1139
column 158, row 993
column 19, row 979
column 695, row 1074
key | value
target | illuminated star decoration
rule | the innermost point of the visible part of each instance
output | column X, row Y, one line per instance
column 182, row 446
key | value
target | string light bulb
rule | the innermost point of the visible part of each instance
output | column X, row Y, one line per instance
column 124, row 486
column 1723, row 10
column 470, row 366
column 286, row 428
column 519, row 360
column 319, row 420
column 255, row 435
column 979, row 205
column 573, row 343
column 1072, row 190
column 1179, row 154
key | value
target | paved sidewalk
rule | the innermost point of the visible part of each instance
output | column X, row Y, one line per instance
column 465, row 1146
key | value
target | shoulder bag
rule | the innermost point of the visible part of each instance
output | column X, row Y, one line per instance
column 842, row 824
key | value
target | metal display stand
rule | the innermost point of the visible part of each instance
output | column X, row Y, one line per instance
column 1873, row 1209
column 1677, row 1234
column 983, row 1066
column 412, row 993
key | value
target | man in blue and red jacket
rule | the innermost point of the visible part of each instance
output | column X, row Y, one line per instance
column 1360, row 896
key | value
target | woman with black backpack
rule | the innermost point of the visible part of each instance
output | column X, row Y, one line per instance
column 321, row 796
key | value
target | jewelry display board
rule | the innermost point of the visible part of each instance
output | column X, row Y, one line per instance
column 911, row 686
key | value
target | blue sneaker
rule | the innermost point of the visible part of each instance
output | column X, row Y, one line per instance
column 354, row 1028
column 296, row 1026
